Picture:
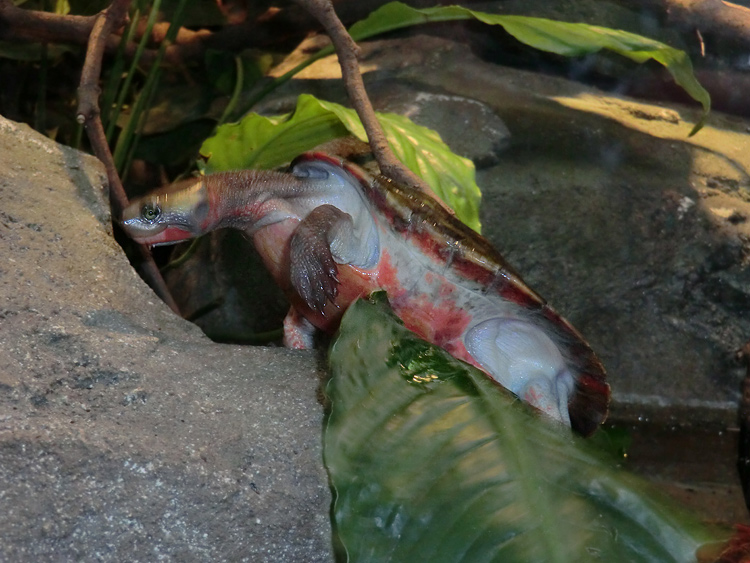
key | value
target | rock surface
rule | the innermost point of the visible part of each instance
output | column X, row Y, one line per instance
column 125, row 434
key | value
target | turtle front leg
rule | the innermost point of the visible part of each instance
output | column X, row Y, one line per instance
column 313, row 266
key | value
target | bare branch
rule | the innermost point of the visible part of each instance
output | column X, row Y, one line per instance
column 348, row 53
column 19, row 24
column 30, row 25
column 89, row 115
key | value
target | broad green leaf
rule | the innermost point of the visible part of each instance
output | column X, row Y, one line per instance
column 432, row 461
column 266, row 142
column 568, row 39
column 425, row 153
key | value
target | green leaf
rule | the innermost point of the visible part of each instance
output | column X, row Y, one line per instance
column 266, row 142
column 432, row 461
column 568, row 39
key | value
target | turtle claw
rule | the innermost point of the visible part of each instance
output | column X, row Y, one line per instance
column 315, row 278
column 312, row 269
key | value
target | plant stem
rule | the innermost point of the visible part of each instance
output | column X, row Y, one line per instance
column 240, row 78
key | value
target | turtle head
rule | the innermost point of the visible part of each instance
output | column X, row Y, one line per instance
column 168, row 215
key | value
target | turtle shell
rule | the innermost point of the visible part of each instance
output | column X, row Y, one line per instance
column 447, row 241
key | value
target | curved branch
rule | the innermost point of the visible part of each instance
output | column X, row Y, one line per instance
column 348, row 53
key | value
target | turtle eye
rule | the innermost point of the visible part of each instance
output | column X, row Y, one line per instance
column 150, row 212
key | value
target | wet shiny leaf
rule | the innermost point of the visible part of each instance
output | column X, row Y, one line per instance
column 267, row 142
column 432, row 461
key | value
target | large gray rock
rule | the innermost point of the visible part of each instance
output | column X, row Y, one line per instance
column 125, row 434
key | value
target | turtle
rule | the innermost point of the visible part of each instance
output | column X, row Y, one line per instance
column 330, row 232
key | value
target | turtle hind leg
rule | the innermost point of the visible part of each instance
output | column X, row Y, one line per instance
column 299, row 333
column 525, row 360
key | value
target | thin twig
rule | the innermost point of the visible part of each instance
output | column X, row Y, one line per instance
column 88, row 90
column 348, row 53
column 88, row 115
